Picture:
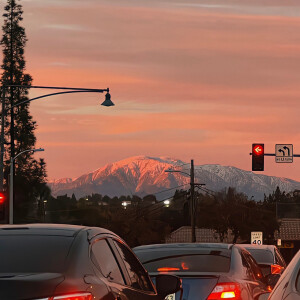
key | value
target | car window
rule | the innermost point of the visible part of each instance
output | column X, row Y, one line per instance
column 105, row 261
column 186, row 260
column 255, row 268
column 262, row 255
column 139, row 278
column 298, row 282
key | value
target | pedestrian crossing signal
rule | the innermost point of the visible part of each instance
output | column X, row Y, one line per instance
column 258, row 156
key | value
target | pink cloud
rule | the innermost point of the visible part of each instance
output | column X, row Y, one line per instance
column 184, row 80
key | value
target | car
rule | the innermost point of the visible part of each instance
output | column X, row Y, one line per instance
column 268, row 258
column 68, row 262
column 208, row 270
column 288, row 286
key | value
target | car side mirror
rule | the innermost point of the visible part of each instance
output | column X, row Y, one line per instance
column 272, row 279
column 167, row 284
column 263, row 296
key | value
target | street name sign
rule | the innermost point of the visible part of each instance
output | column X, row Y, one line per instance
column 284, row 153
column 256, row 238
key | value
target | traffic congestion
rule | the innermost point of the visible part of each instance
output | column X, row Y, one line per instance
column 70, row 262
column 151, row 193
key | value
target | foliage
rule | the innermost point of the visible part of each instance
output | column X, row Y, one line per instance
column 30, row 174
column 229, row 209
column 146, row 220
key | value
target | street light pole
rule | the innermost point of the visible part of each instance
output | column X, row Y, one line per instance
column 65, row 90
column 11, row 183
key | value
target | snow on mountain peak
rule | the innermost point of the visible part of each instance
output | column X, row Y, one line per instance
column 145, row 175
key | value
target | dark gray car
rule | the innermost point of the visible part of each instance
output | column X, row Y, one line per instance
column 208, row 271
column 66, row 262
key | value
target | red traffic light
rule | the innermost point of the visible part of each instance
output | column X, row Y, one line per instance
column 258, row 155
column 258, row 149
column 2, row 198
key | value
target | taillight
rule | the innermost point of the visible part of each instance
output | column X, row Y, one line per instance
column 226, row 290
column 269, row 288
column 77, row 296
column 276, row 269
column 167, row 269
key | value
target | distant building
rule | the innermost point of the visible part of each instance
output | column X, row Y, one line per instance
column 203, row 235
column 289, row 236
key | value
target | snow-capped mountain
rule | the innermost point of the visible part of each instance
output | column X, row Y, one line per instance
column 142, row 175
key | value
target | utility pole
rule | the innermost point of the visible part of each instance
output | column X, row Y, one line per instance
column 192, row 204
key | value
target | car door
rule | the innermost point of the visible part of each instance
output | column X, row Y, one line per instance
column 258, row 285
column 140, row 286
column 288, row 286
column 107, row 269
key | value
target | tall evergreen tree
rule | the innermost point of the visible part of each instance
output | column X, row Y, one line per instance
column 30, row 174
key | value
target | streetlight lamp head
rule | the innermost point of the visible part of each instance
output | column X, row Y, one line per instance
column 39, row 149
column 107, row 101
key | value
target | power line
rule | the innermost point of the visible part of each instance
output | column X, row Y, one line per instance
column 160, row 201
column 144, row 210
column 156, row 208
column 170, row 189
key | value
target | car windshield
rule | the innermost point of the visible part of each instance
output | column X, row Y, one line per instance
column 34, row 254
column 262, row 255
column 214, row 261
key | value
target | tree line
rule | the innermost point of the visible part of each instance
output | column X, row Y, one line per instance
column 146, row 220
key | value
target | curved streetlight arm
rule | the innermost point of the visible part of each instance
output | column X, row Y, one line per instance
column 55, row 88
column 58, row 93
column 4, row 110
column 28, row 150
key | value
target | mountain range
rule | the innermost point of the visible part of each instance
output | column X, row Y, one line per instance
column 143, row 175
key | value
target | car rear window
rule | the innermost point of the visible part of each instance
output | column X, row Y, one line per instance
column 185, row 261
column 262, row 255
column 35, row 254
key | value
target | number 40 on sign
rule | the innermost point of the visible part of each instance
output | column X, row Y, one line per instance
column 256, row 238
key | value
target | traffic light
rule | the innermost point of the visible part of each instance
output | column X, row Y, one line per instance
column 3, row 204
column 258, row 155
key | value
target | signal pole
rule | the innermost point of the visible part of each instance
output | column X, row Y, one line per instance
column 192, row 204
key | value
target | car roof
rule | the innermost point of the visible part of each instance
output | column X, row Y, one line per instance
column 177, row 246
column 51, row 229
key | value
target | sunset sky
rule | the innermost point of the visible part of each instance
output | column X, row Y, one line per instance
column 189, row 79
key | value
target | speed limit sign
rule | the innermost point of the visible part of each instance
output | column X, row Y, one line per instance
column 256, row 238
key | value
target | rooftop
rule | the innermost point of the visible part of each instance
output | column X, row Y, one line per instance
column 289, row 230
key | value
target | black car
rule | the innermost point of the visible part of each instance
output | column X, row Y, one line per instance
column 65, row 262
column 268, row 258
column 208, row 271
